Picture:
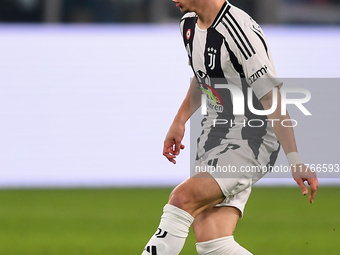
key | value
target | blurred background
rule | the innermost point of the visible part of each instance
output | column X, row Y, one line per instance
column 86, row 86
column 88, row 90
column 156, row 11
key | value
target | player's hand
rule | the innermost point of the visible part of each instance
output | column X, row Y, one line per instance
column 301, row 174
column 173, row 142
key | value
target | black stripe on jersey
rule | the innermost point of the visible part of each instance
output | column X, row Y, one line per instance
column 263, row 42
column 225, row 8
column 238, row 67
column 214, row 42
column 199, row 138
column 255, row 146
column 212, row 54
column 212, row 142
column 254, row 135
column 189, row 23
column 242, row 32
column 218, row 132
column 236, row 42
column 273, row 157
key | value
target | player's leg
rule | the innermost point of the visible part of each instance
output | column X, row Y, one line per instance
column 215, row 223
column 197, row 194
column 186, row 201
column 201, row 193
column 214, row 230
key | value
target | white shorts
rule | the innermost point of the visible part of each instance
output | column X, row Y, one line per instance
column 235, row 168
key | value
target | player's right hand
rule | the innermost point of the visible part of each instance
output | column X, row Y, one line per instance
column 173, row 142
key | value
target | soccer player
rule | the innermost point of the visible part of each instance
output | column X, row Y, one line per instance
column 225, row 46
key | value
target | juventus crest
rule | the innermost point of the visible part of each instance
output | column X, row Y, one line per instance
column 212, row 58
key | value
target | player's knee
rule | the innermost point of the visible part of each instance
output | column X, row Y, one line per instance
column 182, row 198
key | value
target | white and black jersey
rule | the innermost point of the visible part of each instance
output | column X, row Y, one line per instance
column 232, row 51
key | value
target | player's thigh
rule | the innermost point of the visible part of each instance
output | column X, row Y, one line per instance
column 233, row 166
column 196, row 194
column 215, row 223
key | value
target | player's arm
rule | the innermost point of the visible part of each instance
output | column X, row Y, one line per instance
column 173, row 140
column 286, row 137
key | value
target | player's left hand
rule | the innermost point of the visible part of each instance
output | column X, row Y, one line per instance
column 302, row 173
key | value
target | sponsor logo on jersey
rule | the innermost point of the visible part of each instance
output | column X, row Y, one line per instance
column 215, row 107
column 210, row 98
column 255, row 76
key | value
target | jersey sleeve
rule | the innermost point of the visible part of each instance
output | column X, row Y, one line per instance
column 181, row 27
column 253, row 53
column 184, row 33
